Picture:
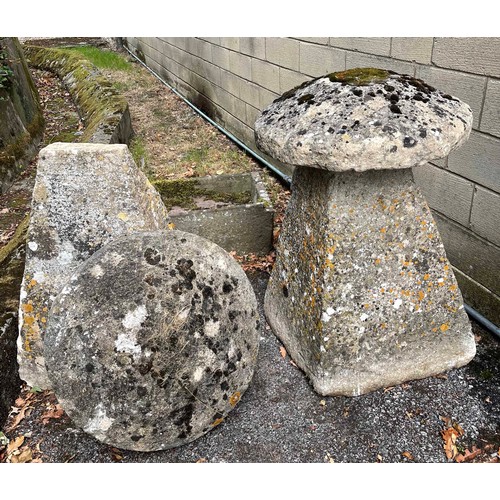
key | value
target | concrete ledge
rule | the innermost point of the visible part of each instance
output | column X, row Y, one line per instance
column 233, row 211
column 104, row 110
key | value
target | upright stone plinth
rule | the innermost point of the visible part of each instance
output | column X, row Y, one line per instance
column 85, row 195
column 362, row 294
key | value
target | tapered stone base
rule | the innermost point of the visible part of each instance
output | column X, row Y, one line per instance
column 362, row 294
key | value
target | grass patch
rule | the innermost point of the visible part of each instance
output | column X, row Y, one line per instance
column 103, row 59
column 139, row 152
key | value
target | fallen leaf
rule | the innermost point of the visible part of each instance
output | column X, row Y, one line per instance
column 283, row 352
column 22, row 413
column 450, row 436
column 442, row 376
column 201, row 461
column 25, row 456
column 53, row 413
column 379, row 458
column 322, row 402
column 116, row 455
column 293, row 363
column 469, row 455
column 14, row 445
column 408, row 455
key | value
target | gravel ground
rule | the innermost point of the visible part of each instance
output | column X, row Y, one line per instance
column 281, row 419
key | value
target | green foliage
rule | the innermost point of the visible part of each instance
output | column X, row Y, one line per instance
column 6, row 73
column 103, row 59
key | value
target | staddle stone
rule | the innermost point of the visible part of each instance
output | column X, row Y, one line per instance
column 85, row 195
column 362, row 294
column 153, row 340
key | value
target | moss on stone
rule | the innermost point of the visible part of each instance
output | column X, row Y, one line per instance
column 101, row 105
column 360, row 76
column 182, row 192
column 18, row 239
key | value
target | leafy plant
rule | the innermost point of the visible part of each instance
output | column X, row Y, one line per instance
column 6, row 73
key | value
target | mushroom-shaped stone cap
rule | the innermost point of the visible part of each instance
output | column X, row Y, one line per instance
column 362, row 119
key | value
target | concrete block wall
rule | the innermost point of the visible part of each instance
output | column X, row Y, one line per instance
column 233, row 79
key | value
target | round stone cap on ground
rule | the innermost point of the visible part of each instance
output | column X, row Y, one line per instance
column 362, row 119
column 153, row 340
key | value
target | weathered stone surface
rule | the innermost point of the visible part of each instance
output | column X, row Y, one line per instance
column 21, row 118
column 11, row 274
column 362, row 294
column 85, row 195
column 363, row 119
column 104, row 109
column 153, row 340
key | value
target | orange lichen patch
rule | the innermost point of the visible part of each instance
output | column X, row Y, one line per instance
column 434, row 330
column 453, row 288
column 382, row 290
column 406, row 293
column 27, row 308
column 426, row 277
column 44, row 320
column 171, row 225
column 330, row 264
column 444, row 327
column 235, row 398
column 423, row 222
column 32, row 283
column 407, row 263
column 421, row 295
column 29, row 320
column 383, row 230
column 430, row 236
column 377, row 262
column 45, row 309
column 217, row 422
column 367, row 306
column 446, row 267
column 27, row 345
column 383, row 325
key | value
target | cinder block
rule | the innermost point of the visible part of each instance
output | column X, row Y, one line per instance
column 418, row 49
column 479, row 297
column 212, row 40
column 230, row 103
column 359, row 60
column 468, row 88
column 283, row 52
column 445, row 192
column 478, row 160
column 317, row 60
column 266, row 75
column 204, row 50
column 320, row 40
column 474, row 256
column 290, row 79
column 240, row 65
column 251, row 115
column 485, row 216
column 220, row 57
column 232, row 43
column 253, row 46
column 250, row 93
column 267, row 97
column 490, row 119
column 373, row 45
column 479, row 55
column 230, row 82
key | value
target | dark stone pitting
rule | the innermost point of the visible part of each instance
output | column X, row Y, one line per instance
column 166, row 356
column 361, row 293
